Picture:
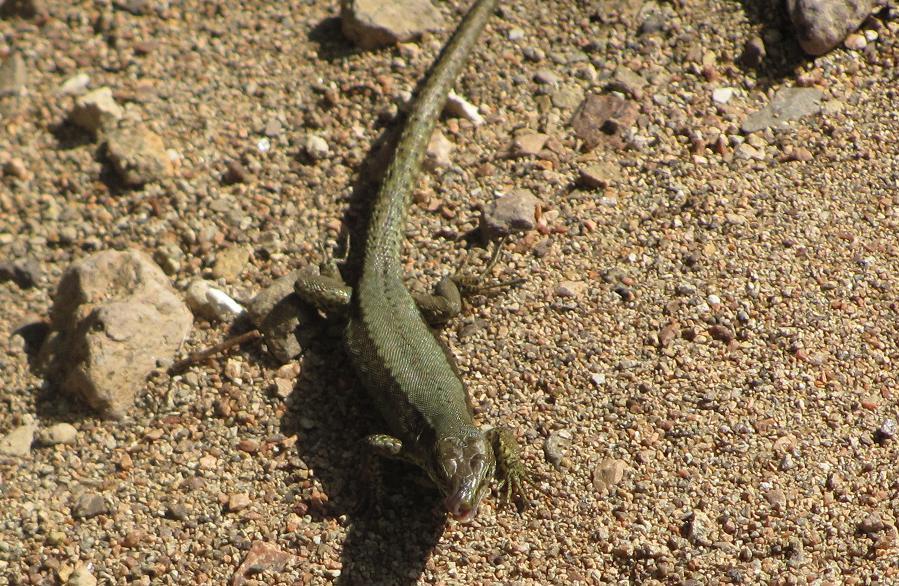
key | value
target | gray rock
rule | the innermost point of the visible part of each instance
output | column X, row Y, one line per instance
column 286, row 323
column 627, row 82
column 61, row 433
column 96, row 110
column 13, row 76
column 513, row 212
column 18, row 442
column 822, row 25
column 138, row 155
column 114, row 316
column 88, row 505
column 26, row 273
column 789, row 103
column 380, row 23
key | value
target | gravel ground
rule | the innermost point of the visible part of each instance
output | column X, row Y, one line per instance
column 699, row 364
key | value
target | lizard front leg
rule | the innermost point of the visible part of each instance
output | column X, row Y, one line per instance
column 510, row 469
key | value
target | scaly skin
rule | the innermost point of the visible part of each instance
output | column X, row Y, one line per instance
column 408, row 372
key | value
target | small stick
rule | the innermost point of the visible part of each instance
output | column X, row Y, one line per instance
column 201, row 355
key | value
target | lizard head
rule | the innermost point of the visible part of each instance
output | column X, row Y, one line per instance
column 464, row 470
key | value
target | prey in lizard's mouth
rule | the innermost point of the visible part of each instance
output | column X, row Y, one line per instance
column 465, row 465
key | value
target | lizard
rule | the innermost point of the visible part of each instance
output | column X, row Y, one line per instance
column 408, row 371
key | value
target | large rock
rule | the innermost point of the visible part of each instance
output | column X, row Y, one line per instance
column 380, row 23
column 114, row 316
column 821, row 25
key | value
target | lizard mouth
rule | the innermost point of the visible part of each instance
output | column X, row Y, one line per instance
column 459, row 509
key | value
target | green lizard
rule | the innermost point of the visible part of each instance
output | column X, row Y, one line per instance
column 409, row 373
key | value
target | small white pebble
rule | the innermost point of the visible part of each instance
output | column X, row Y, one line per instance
column 722, row 95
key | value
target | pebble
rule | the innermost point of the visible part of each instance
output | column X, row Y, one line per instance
column 96, row 110
column 13, row 75
column 82, row 576
column 138, row 155
column 555, row 446
column 602, row 115
column 459, row 107
column 628, row 82
column 238, row 502
column 316, row 147
column 88, row 505
column 528, row 144
column 887, row 429
column 17, row 443
column 856, row 42
column 230, row 263
column 261, row 557
column 546, row 77
column 607, row 474
column 571, row 289
column 75, row 85
column 60, row 433
column 513, row 212
column 753, row 52
column 599, row 174
column 789, row 103
column 287, row 324
column 439, row 150
column 722, row 95
column 371, row 24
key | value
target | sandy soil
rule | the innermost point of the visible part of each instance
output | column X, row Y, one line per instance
column 726, row 345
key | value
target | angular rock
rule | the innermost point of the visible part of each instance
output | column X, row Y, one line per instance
column 439, row 149
column 114, row 316
column 789, row 103
column 513, row 212
column 287, row 324
column 18, row 442
column 96, row 110
column 371, row 24
column 138, row 155
column 599, row 174
column 529, row 144
column 262, row 557
column 12, row 76
column 821, row 25
column 601, row 115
